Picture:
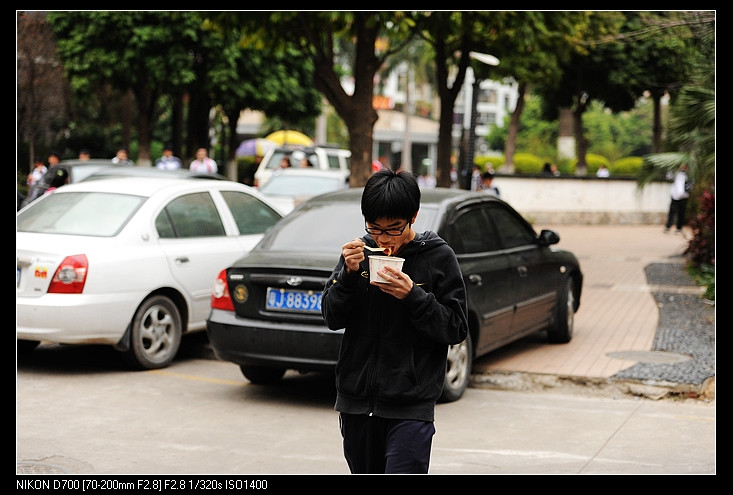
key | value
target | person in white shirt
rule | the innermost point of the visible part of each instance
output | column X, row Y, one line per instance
column 168, row 161
column 603, row 171
column 122, row 158
column 203, row 163
column 679, row 193
column 486, row 183
column 39, row 169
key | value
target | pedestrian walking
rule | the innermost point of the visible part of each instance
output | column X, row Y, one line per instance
column 392, row 362
column 679, row 194
column 487, row 179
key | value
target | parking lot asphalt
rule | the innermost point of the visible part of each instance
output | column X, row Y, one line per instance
column 81, row 415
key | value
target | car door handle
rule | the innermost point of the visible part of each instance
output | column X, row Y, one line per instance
column 476, row 279
column 522, row 271
column 181, row 260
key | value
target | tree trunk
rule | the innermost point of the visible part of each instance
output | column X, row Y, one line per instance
column 176, row 140
column 445, row 144
column 198, row 126
column 406, row 144
column 581, row 143
column 513, row 131
column 356, row 110
column 448, row 96
column 126, row 109
column 146, row 110
column 233, row 143
column 361, row 139
column 565, row 134
column 657, row 125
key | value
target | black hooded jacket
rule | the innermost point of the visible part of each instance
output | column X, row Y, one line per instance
column 392, row 360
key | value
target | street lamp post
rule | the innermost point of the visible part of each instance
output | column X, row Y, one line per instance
column 485, row 59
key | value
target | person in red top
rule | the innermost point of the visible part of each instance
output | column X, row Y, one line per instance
column 203, row 163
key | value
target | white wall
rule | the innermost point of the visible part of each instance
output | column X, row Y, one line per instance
column 581, row 200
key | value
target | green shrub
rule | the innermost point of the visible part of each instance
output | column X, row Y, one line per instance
column 628, row 165
column 704, row 276
column 529, row 164
column 484, row 162
column 526, row 163
column 566, row 166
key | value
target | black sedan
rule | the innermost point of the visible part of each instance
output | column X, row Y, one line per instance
column 266, row 307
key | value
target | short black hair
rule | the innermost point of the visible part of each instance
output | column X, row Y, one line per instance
column 390, row 194
column 60, row 175
column 487, row 175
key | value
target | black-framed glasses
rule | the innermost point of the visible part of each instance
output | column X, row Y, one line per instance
column 393, row 232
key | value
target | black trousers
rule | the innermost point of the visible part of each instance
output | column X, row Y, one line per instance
column 375, row 445
column 677, row 210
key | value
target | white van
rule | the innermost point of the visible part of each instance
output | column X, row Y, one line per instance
column 319, row 157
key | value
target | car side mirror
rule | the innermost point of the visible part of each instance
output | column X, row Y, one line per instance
column 548, row 237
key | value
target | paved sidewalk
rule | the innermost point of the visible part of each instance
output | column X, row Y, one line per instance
column 618, row 317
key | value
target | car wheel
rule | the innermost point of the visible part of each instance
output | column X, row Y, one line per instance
column 262, row 375
column 27, row 346
column 458, row 371
column 562, row 330
column 156, row 334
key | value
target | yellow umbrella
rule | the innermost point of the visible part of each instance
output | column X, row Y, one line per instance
column 285, row 137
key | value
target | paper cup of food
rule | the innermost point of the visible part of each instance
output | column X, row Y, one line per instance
column 376, row 263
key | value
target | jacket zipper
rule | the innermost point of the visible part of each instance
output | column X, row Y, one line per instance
column 373, row 374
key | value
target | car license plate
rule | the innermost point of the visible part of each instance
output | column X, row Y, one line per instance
column 300, row 301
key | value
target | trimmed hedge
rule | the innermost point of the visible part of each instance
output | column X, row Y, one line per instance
column 529, row 164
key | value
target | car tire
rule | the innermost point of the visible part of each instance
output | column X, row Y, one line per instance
column 458, row 371
column 562, row 329
column 27, row 346
column 155, row 335
column 262, row 375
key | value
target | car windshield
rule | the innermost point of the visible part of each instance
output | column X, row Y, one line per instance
column 291, row 186
column 79, row 213
column 325, row 227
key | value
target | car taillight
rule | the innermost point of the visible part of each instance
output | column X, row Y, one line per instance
column 220, row 298
column 70, row 276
